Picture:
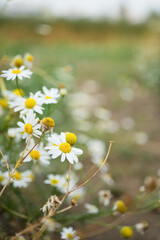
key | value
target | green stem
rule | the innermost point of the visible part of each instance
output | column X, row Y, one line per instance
column 19, row 87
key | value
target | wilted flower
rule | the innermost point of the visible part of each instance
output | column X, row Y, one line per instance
column 142, row 227
column 53, row 202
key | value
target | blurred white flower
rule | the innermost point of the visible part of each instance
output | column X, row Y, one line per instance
column 43, row 29
column 112, row 126
column 3, row 177
column 38, row 154
column 102, row 113
column 22, row 179
column 105, row 197
column 28, row 60
column 141, row 138
column 77, row 194
column 68, row 234
column 96, row 148
column 107, row 178
column 127, row 94
column 92, row 209
column 127, row 123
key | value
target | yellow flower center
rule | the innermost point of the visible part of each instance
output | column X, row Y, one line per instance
column 28, row 128
column 35, row 154
column 30, row 103
column 54, row 181
column 69, row 235
column 71, row 138
column 126, row 232
column 30, row 58
column 48, row 97
column 65, row 147
column 3, row 103
column 1, row 178
column 31, row 176
column 18, row 92
column 17, row 176
column 18, row 62
column 48, row 122
column 16, row 71
column 121, row 207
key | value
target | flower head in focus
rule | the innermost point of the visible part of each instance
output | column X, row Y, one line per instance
column 30, row 126
column 20, row 73
column 58, row 146
column 25, row 105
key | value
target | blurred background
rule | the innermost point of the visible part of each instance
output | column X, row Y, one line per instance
column 111, row 50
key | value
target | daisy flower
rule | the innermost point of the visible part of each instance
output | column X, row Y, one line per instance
column 105, row 197
column 77, row 194
column 28, row 60
column 54, row 180
column 58, row 146
column 21, row 73
column 37, row 154
column 30, row 126
column 22, row 179
column 17, row 61
column 12, row 95
column 25, row 105
column 69, row 233
column 3, row 177
column 92, row 209
column 50, row 95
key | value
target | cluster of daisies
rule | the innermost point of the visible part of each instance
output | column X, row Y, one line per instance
column 30, row 125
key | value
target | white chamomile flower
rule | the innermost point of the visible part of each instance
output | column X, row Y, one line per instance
column 28, row 60
column 92, row 209
column 25, row 105
column 14, row 133
column 38, row 154
column 64, row 183
column 50, row 95
column 17, row 61
column 12, row 95
column 54, row 180
column 3, row 177
column 59, row 146
column 22, row 179
column 77, row 194
column 69, row 233
column 105, row 197
column 20, row 73
column 30, row 126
